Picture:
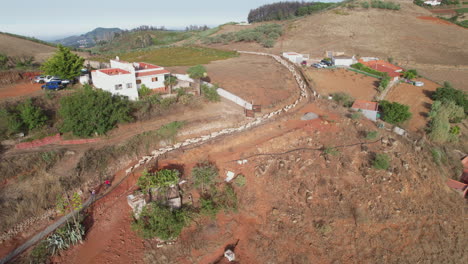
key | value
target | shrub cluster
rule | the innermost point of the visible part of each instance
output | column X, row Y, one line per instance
column 394, row 113
column 385, row 5
column 381, row 161
column 210, row 93
column 448, row 93
column 266, row 35
column 364, row 68
column 441, row 115
column 314, row 7
column 343, row 99
column 23, row 117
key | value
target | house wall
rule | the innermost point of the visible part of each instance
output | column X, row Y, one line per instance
column 108, row 82
column 122, row 65
column 146, row 80
column 369, row 114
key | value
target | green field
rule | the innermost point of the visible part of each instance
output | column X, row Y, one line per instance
column 174, row 56
column 462, row 10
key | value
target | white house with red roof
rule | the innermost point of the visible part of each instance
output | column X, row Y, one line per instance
column 369, row 109
column 125, row 78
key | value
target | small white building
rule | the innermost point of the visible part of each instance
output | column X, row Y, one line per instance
column 343, row 60
column 295, row 57
column 433, row 2
column 369, row 109
column 125, row 78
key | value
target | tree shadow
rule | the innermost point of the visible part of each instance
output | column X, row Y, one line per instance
column 427, row 105
column 428, row 93
column 424, row 114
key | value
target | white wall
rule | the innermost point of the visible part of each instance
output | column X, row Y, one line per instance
column 146, row 80
column 108, row 82
column 343, row 62
column 122, row 65
column 369, row 114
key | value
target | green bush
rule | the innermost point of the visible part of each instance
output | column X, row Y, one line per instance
column 384, row 82
column 356, row 116
column 169, row 131
column 366, row 4
column 160, row 179
column 160, row 221
column 144, row 91
column 32, row 116
column 410, row 74
column 204, row 175
column 208, row 207
column 419, row 2
column 330, row 151
column 381, row 161
column 441, row 114
column 240, row 180
column 343, row 99
column 439, row 156
column 88, row 112
column 266, row 35
column 394, row 113
column 371, row 135
column 210, row 93
column 70, row 234
column 447, row 92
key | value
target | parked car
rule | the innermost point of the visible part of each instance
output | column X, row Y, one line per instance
column 323, row 65
column 52, row 86
column 44, row 78
column 418, row 84
column 62, row 81
column 318, row 65
column 326, row 62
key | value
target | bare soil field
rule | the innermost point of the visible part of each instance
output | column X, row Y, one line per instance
column 436, row 20
column 256, row 79
column 418, row 99
column 400, row 35
column 13, row 46
column 302, row 206
column 20, row 89
column 327, row 81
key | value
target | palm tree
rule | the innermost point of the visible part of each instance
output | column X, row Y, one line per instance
column 170, row 82
column 197, row 72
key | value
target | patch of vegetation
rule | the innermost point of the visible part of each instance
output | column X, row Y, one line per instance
column 385, row 5
column 381, row 161
column 160, row 179
column 330, row 151
column 169, row 131
column 240, row 180
column 210, row 93
column 343, row 99
column 364, row 68
column 144, row 91
column 266, row 35
column 356, row 116
column 24, row 117
column 69, row 234
column 204, row 176
column 394, row 113
column 410, row 74
column 439, row 156
column 371, row 135
column 91, row 112
column 448, row 93
column 384, row 82
column 441, row 115
column 366, row 4
column 285, row 10
column 160, row 221
column 175, row 56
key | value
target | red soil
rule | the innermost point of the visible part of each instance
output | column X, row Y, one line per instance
column 436, row 20
column 20, row 89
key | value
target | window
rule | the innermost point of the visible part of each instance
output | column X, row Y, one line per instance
column 129, row 85
column 118, row 87
column 138, row 81
column 155, row 79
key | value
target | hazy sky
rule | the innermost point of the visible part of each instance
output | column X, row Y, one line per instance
column 50, row 19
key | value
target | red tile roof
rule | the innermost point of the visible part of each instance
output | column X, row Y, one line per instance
column 157, row 72
column 114, row 71
column 456, row 184
column 144, row 65
column 365, row 105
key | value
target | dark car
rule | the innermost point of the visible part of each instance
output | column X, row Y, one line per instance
column 54, row 85
column 326, row 62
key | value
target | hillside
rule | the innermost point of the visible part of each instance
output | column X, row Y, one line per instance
column 436, row 48
column 89, row 39
column 14, row 46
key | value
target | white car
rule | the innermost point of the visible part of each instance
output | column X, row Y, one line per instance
column 44, row 79
column 62, row 81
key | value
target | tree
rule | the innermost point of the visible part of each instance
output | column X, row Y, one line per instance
column 204, row 175
column 394, row 113
column 381, row 161
column 210, row 92
column 143, row 91
column 31, row 115
column 63, row 64
column 197, row 72
column 89, row 112
column 410, row 74
column 170, row 82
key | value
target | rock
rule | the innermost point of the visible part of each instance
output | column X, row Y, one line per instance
column 384, row 141
column 70, row 152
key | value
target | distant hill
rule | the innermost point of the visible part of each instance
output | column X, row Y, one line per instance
column 90, row 39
